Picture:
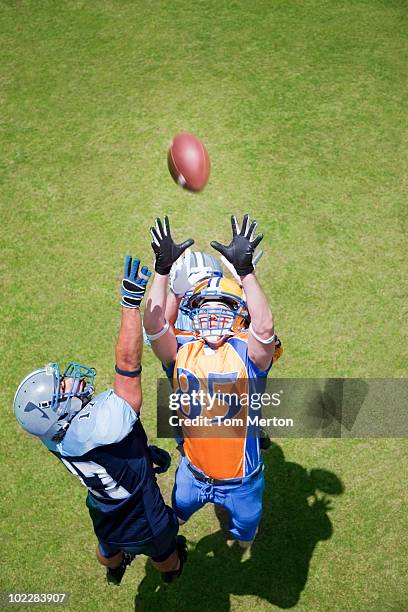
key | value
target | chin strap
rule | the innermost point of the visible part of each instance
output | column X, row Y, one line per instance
column 85, row 399
column 59, row 436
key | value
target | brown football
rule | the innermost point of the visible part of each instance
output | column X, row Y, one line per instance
column 188, row 162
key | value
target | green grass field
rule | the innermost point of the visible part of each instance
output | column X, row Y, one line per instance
column 302, row 106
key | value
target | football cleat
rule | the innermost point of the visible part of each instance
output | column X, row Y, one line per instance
column 114, row 575
column 181, row 546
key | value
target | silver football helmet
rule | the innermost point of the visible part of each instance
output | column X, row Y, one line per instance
column 190, row 268
column 41, row 405
column 203, row 265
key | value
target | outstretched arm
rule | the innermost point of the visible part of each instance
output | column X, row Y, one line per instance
column 261, row 341
column 158, row 329
column 172, row 308
column 240, row 252
column 130, row 341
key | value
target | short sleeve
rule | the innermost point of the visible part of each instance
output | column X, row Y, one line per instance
column 240, row 343
column 107, row 419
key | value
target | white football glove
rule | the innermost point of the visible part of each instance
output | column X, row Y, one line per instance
column 179, row 274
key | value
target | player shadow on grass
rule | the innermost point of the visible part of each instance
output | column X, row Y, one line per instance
column 295, row 519
column 336, row 408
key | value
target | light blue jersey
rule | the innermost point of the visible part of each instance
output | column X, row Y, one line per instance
column 106, row 419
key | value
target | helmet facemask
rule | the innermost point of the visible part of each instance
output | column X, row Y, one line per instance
column 82, row 383
column 217, row 308
column 214, row 320
column 68, row 403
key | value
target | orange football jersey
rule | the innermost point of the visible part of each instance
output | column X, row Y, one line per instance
column 222, row 378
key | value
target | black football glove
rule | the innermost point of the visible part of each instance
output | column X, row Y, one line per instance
column 166, row 250
column 240, row 250
column 134, row 283
column 161, row 458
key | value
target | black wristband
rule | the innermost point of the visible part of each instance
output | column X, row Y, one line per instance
column 129, row 374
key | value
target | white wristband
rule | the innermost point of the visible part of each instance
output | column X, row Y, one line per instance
column 262, row 340
column 159, row 334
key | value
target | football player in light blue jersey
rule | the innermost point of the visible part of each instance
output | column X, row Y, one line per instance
column 101, row 440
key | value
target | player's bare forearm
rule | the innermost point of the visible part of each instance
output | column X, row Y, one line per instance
column 258, row 307
column 129, row 345
column 130, row 340
column 167, row 252
column 155, row 309
column 172, row 308
column 261, row 322
column 160, row 333
column 129, row 357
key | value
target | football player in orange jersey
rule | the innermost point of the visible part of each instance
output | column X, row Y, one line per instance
column 233, row 340
column 189, row 270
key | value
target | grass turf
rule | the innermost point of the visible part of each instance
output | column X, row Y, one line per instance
column 302, row 108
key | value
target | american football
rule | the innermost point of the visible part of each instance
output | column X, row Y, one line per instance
column 188, row 161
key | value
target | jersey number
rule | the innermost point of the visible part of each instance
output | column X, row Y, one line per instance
column 188, row 382
column 96, row 479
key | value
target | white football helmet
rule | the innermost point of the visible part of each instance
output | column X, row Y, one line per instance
column 41, row 406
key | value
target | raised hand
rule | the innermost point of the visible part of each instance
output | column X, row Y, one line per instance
column 134, row 283
column 164, row 247
column 322, row 504
column 240, row 251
